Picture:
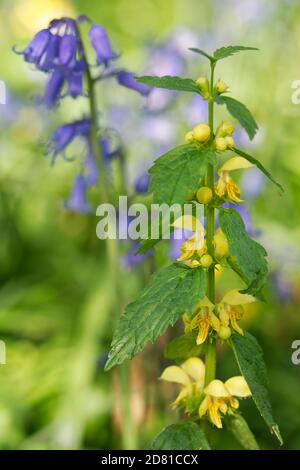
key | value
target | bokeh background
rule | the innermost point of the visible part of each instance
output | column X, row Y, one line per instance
column 54, row 393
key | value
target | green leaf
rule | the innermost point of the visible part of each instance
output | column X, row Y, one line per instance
column 241, row 431
column 250, row 360
column 248, row 255
column 178, row 171
column 240, row 112
column 259, row 165
column 173, row 290
column 171, row 83
column 227, row 51
column 201, row 52
column 184, row 435
column 183, row 347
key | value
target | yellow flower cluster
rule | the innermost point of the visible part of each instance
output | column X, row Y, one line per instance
column 216, row 399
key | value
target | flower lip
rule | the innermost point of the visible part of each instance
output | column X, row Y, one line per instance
column 235, row 163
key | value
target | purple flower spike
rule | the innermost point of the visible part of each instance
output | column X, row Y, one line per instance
column 53, row 89
column 127, row 79
column 77, row 200
column 141, row 184
column 64, row 135
column 101, row 44
column 36, row 48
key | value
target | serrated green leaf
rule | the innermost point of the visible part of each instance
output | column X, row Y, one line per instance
column 259, row 166
column 240, row 112
column 241, row 431
column 171, row 291
column 170, row 83
column 227, row 51
column 201, row 52
column 184, row 435
column 250, row 360
column 248, row 255
column 178, row 171
column 182, row 347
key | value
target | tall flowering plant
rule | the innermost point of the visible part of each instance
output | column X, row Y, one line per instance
column 199, row 173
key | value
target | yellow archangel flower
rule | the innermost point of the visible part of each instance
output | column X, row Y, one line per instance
column 202, row 319
column 190, row 375
column 230, row 309
column 226, row 187
column 196, row 244
column 220, row 398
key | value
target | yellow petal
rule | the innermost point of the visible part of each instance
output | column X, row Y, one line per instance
column 204, row 406
column 238, row 386
column 214, row 321
column 175, row 374
column 215, row 416
column 189, row 222
column 205, row 302
column 235, row 324
column 220, row 244
column 235, row 163
column 217, row 389
column 182, row 395
column 203, row 332
column 195, row 368
column 185, row 256
column 234, row 297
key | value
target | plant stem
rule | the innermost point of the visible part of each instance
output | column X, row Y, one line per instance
column 210, row 357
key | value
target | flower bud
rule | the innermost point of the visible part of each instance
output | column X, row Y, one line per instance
column 206, row 261
column 204, row 195
column 189, row 137
column 221, row 87
column 220, row 144
column 201, row 132
column 225, row 128
column 220, row 244
column 230, row 142
column 224, row 332
column 195, row 263
column 203, row 85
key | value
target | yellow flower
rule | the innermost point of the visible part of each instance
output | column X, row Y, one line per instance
column 221, row 87
column 220, row 244
column 196, row 244
column 202, row 319
column 221, row 398
column 225, row 129
column 190, row 375
column 201, row 132
column 230, row 309
column 226, row 186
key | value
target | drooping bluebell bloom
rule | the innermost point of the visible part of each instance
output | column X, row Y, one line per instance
column 141, row 184
column 53, row 89
column 245, row 216
column 101, row 44
column 64, row 135
column 77, row 201
column 34, row 51
column 75, row 85
column 107, row 150
column 127, row 79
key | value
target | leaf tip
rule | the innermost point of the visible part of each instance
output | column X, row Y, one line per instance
column 275, row 430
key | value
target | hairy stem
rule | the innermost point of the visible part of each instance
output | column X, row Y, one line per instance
column 210, row 357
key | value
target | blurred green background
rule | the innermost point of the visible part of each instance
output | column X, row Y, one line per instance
column 54, row 393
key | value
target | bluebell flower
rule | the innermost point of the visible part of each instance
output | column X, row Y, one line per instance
column 33, row 53
column 77, row 201
column 131, row 259
column 101, row 44
column 127, row 79
column 64, row 135
column 75, row 85
column 53, row 89
column 141, row 184
column 245, row 216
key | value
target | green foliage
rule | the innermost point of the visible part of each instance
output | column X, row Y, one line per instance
column 259, row 166
column 228, row 51
column 222, row 52
column 171, row 291
column 184, row 435
column 240, row 112
column 241, row 431
column 178, row 171
column 170, row 83
column 247, row 257
column 183, row 347
column 250, row 360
